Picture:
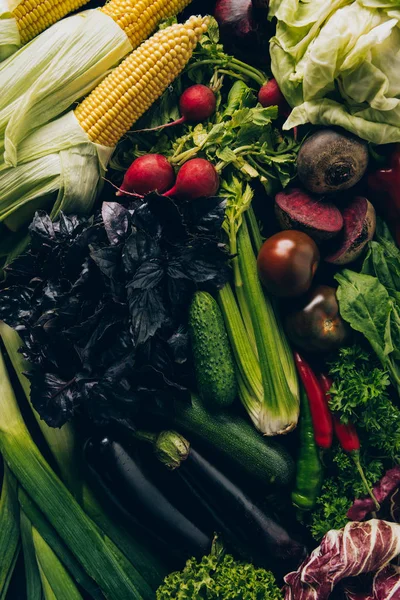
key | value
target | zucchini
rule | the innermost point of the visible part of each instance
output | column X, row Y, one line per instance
column 236, row 440
column 213, row 358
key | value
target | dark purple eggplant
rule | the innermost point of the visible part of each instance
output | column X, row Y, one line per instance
column 246, row 526
column 121, row 473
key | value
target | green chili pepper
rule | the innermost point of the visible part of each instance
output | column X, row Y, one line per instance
column 309, row 471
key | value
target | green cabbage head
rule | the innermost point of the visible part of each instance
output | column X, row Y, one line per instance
column 337, row 62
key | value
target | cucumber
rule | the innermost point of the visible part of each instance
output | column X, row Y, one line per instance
column 213, row 358
column 236, row 440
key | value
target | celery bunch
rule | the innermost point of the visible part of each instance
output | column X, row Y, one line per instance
column 268, row 385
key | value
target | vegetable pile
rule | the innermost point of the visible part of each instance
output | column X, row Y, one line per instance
column 200, row 305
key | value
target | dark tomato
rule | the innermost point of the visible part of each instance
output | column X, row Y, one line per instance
column 316, row 325
column 287, row 263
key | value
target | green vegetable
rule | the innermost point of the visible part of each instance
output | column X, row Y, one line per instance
column 337, row 63
column 268, row 385
column 213, row 360
column 57, row 504
column 238, row 442
column 32, row 574
column 360, row 394
column 56, row 575
column 9, row 529
column 309, row 472
column 219, row 576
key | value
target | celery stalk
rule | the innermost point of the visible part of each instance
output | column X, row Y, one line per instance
column 36, row 519
column 9, row 529
column 58, row 505
column 32, row 574
column 279, row 412
column 58, row 577
column 62, row 442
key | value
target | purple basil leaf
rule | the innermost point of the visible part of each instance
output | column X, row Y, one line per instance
column 167, row 213
column 147, row 313
column 179, row 346
column 106, row 259
column 54, row 399
column 42, row 226
column 116, row 219
column 147, row 276
column 205, row 215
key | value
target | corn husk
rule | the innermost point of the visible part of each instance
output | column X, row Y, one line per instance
column 57, row 160
column 10, row 39
column 70, row 59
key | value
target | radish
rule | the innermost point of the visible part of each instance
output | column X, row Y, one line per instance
column 197, row 178
column 271, row 95
column 197, row 103
column 148, row 173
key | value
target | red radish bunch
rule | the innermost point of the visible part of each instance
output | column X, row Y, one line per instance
column 197, row 178
column 148, row 173
column 271, row 95
column 196, row 104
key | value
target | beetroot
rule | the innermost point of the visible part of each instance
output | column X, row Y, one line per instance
column 330, row 161
column 148, row 173
column 197, row 103
column 271, row 95
column 296, row 209
column 359, row 222
column 197, row 178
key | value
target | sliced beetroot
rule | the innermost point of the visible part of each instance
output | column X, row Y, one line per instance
column 296, row 209
column 359, row 222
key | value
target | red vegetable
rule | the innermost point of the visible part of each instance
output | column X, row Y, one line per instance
column 287, row 262
column 320, row 414
column 147, row 174
column 197, row 178
column 348, row 438
column 197, row 103
column 271, row 95
column 386, row 184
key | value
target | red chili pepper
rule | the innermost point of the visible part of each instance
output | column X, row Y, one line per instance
column 386, row 184
column 320, row 414
column 347, row 437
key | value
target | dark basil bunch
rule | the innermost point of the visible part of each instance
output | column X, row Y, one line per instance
column 101, row 304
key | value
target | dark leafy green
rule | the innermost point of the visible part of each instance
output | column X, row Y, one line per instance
column 101, row 304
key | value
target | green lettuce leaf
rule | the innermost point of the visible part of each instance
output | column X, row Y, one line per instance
column 338, row 63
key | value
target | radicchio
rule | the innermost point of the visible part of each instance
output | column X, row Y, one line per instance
column 356, row 549
column 386, row 584
column 395, row 506
column 363, row 506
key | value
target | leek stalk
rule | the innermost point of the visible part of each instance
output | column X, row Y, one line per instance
column 9, row 529
column 36, row 518
column 63, row 512
column 32, row 575
column 58, row 578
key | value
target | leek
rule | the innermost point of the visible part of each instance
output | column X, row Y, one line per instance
column 9, row 530
column 56, row 575
column 36, row 519
column 268, row 385
column 58, row 505
column 32, row 575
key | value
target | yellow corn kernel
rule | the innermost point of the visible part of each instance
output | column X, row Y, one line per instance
column 139, row 18
column 137, row 82
column 34, row 17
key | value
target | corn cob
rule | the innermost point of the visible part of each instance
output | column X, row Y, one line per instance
column 138, row 19
column 34, row 16
column 116, row 103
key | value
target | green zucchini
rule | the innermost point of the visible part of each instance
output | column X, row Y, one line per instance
column 213, row 358
column 236, row 441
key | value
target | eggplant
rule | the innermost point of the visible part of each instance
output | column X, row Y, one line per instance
column 245, row 525
column 137, row 495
